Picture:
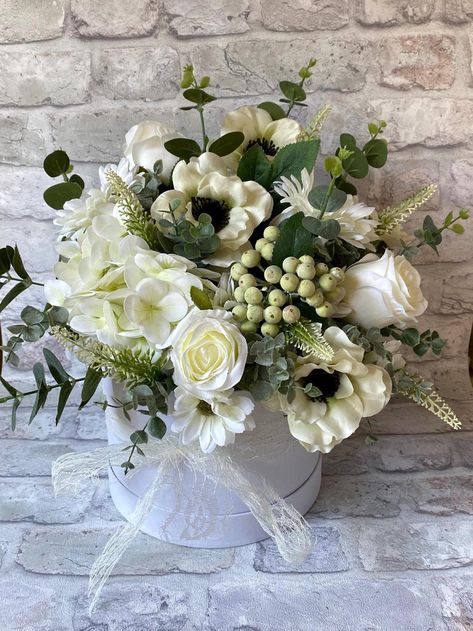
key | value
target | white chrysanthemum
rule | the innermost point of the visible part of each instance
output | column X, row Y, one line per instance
column 213, row 420
column 236, row 207
column 259, row 129
column 77, row 214
column 357, row 221
column 144, row 146
column 348, row 391
column 123, row 169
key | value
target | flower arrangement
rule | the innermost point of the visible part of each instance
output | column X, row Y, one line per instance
column 209, row 276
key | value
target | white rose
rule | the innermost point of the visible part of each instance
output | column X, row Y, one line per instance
column 383, row 291
column 208, row 352
column 144, row 145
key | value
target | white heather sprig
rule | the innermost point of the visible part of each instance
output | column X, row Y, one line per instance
column 316, row 124
column 398, row 213
column 308, row 337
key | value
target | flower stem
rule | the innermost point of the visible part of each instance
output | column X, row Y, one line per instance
column 326, row 198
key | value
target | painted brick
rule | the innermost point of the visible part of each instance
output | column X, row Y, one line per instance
column 113, row 18
column 393, row 12
column 457, row 602
column 17, row 25
column 298, row 15
column 219, row 17
column 458, row 11
column 408, row 454
column 22, row 141
column 442, row 495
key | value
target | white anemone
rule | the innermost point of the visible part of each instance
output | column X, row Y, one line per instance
column 259, row 129
column 357, row 221
column 236, row 207
column 213, row 420
column 347, row 391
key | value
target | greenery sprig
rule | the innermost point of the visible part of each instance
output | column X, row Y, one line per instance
column 398, row 213
column 430, row 234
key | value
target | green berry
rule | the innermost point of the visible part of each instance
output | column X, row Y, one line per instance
column 273, row 274
column 271, row 233
column 290, row 264
column 327, row 282
column 239, row 294
column 277, row 298
column 267, row 251
column 247, row 280
column 325, row 310
column 338, row 274
column 255, row 313
column 306, row 271
column 249, row 327
column 289, row 282
column 317, row 299
column 321, row 269
column 253, row 296
column 239, row 311
column 335, row 295
column 305, row 258
column 291, row 314
column 306, row 288
column 260, row 244
column 269, row 329
column 250, row 258
column 273, row 315
column 237, row 271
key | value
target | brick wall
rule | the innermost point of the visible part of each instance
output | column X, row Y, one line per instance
column 79, row 73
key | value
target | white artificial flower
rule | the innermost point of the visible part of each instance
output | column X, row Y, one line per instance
column 144, row 146
column 123, row 169
column 154, row 307
column 77, row 214
column 208, row 352
column 212, row 419
column 259, row 129
column 350, row 390
column 357, row 221
column 236, row 207
column 383, row 291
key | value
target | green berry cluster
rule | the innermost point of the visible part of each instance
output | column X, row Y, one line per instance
column 267, row 304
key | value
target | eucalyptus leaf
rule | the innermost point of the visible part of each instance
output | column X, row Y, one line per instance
column 76, row 179
column 348, row 141
column 184, row 148
column 227, row 143
column 31, row 315
column 56, row 163
column 56, row 196
column 292, row 91
column 17, row 264
column 198, row 96
column 336, row 199
column 156, row 427
column 140, row 437
column 64, row 394
column 274, row 110
column 376, row 152
column 293, row 240
column 356, row 165
column 56, row 369
column 89, row 386
column 200, row 298
column 325, row 228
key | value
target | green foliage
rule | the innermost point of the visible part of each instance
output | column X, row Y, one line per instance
column 183, row 148
column 200, row 298
column 294, row 239
column 227, row 143
column 420, row 343
column 430, row 234
column 325, row 228
column 294, row 93
column 294, row 158
column 274, row 110
column 147, row 185
column 316, row 124
column 376, row 152
column 12, row 270
column 308, row 337
column 254, row 165
column 335, row 200
column 398, row 213
column 58, row 164
column 194, row 241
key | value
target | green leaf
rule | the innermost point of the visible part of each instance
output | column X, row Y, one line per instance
column 376, row 152
column 64, row 393
column 293, row 158
column 8, row 387
column 293, row 240
column 292, row 91
column 200, row 298
column 42, row 390
column 15, row 406
column 195, row 95
column 346, row 187
column 274, row 110
column 56, row 163
column 31, row 315
column 18, row 264
column 89, row 386
column 326, row 228
column 56, row 196
column 14, row 292
column 6, row 255
column 255, row 166
column 336, row 200
column 410, row 336
column 140, row 437
column 76, row 179
column 184, row 148
column 348, row 141
column 227, row 143
column 58, row 315
column 457, row 228
column 33, row 333
column 55, row 367
column 156, row 427
column 356, row 165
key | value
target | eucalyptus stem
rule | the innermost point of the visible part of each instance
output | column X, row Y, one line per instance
column 49, row 387
column 327, row 196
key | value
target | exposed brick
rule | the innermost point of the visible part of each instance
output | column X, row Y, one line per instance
column 21, row 193
column 458, row 11
column 91, row 424
column 327, row 555
column 322, row 604
column 21, row 140
column 356, row 497
column 349, row 458
column 456, row 593
column 443, row 495
column 219, row 17
column 416, row 546
column 452, row 328
column 407, row 454
column 461, row 175
column 299, row 15
column 34, row 501
column 30, row 78
column 457, row 293
column 113, row 18
column 427, row 122
column 17, row 24
column 27, row 232
column 451, row 377
column 72, row 552
column 158, row 68
column 143, row 606
column 392, row 12
column 426, row 61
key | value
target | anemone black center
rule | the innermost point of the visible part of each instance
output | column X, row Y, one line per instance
column 218, row 210
column 326, row 382
column 267, row 146
column 204, row 408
